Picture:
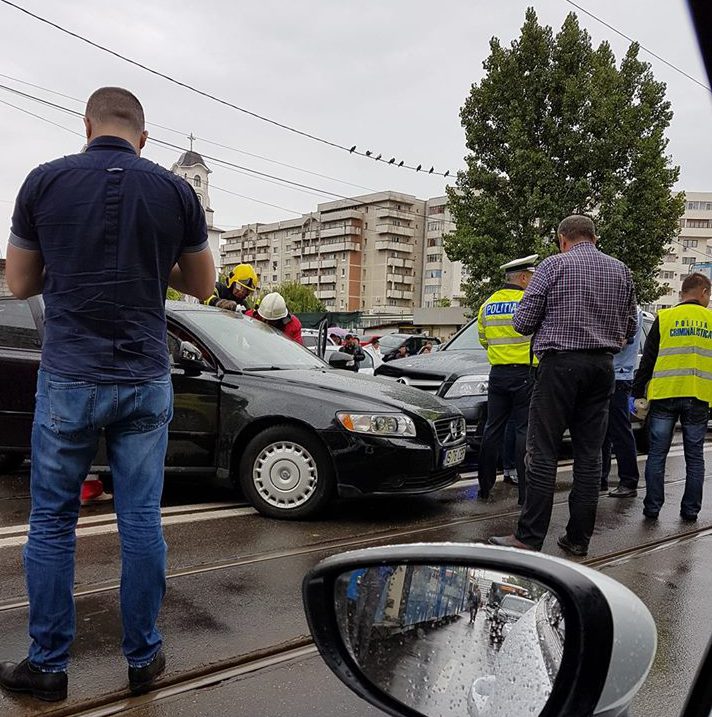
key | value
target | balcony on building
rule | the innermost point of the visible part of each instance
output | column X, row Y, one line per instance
column 309, row 279
column 400, row 279
column 394, row 246
column 393, row 213
column 339, row 246
column 263, row 256
column 396, row 294
column 340, row 231
column 400, row 262
column 327, row 279
column 248, row 257
column 395, row 229
column 325, row 294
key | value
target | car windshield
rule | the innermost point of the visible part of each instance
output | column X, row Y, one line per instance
column 465, row 341
column 516, row 604
column 253, row 345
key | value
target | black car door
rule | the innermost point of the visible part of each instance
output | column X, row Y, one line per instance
column 193, row 432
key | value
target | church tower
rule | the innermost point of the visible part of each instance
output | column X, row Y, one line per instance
column 191, row 166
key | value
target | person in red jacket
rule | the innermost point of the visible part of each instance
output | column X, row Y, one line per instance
column 273, row 311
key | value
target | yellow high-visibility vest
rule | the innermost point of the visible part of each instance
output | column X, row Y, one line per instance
column 684, row 364
column 496, row 331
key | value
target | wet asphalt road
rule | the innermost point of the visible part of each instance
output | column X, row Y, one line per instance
column 234, row 581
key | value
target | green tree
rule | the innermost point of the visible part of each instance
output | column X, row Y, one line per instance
column 556, row 127
column 443, row 303
column 299, row 298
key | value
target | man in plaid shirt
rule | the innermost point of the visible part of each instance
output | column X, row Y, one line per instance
column 580, row 306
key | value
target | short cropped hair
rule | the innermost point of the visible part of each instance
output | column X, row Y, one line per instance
column 115, row 104
column 577, row 227
column 693, row 282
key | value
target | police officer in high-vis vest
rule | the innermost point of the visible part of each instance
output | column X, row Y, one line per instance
column 510, row 380
column 676, row 368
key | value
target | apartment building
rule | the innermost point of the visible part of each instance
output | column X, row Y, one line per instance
column 442, row 278
column 359, row 254
column 693, row 246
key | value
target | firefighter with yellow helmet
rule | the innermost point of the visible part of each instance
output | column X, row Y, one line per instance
column 510, row 380
column 241, row 283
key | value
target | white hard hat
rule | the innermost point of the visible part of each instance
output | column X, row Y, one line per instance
column 272, row 307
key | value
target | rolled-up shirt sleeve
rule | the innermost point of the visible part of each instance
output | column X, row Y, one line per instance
column 23, row 232
column 195, row 237
column 530, row 313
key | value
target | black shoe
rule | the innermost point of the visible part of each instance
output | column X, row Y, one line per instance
column 604, row 487
column 23, row 677
column 572, row 548
column 623, row 492
column 649, row 515
column 511, row 480
column 688, row 517
column 141, row 678
column 509, row 541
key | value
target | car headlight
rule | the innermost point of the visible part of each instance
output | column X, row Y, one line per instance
column 377, row 424
column 468, row 386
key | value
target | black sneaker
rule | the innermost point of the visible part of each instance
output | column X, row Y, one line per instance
column 141, row 678
column 572, row 548
column 24, row 677
column 604, row 488
column 649, row 515
column 688, row 517
column 623, row 492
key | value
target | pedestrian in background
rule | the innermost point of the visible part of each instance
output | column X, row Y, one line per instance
column 98, row 234
column 353, row 347
column 580, row 306
column 510, row 380
column 677, row 369
column 619, row 434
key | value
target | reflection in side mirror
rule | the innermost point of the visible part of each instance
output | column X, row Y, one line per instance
column 452, row 639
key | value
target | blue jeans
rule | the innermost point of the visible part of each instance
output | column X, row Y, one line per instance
column 69, row 415
column 664, row 414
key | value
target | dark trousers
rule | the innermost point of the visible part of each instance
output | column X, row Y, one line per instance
column 620, row 438
column 508, row 396
column 572, row 390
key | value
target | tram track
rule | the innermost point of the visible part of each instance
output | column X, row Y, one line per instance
column 300, row 648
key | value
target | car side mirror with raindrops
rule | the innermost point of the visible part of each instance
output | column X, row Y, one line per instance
column 447, row 630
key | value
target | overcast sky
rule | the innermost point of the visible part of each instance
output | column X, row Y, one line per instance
column 389, row 76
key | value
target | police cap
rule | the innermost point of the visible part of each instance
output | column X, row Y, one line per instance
column 526, row 263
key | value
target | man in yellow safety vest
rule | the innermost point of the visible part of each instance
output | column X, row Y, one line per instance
column 677, row 368
column 510, row 381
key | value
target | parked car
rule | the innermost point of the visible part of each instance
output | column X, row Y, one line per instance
column 260, row 412
column 506, row 614
column 459, row 373
column 390, row 343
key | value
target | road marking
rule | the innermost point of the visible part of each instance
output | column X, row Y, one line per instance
column 20, row 538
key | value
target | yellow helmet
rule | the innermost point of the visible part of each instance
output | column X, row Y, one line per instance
column 245, row 276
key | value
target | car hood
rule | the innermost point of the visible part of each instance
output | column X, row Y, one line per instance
column 357, row 390
column 440, row 363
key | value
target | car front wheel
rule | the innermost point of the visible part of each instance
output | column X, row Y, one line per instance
column 286, row 472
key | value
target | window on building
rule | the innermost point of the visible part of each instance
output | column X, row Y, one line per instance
column 698, row 223
column 275, row 278
column 667, row 274
column 432, row 257
column 433, row 273
column 670, row 258
column 690, row 243
column 343, row 271
column 700, row 206
column 688, row 260
column 196, row 180
column 435, row 242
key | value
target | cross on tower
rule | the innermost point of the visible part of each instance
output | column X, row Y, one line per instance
column 191, row 138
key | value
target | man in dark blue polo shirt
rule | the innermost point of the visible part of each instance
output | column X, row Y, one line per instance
column 101, row 235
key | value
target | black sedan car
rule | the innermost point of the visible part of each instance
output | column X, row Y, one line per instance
column 459, row 373
column 256, row 410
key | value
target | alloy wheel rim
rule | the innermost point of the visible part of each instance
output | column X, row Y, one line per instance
column 285, row 475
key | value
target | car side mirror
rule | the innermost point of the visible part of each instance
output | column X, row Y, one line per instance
column 190, row 358
column 478, row 631
column 340, row 359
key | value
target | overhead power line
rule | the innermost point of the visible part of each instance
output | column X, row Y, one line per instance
column 248, row 171
column 353, row 149
column 202, row 139
column 642, row 47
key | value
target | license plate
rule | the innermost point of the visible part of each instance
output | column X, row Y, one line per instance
column 454, row 456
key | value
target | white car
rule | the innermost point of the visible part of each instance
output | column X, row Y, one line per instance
column 367, row 366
